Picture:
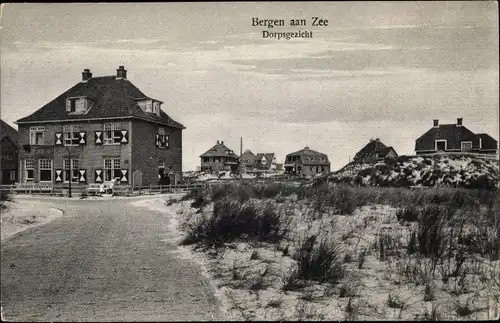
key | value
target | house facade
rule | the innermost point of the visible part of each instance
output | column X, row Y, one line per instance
column 454, row 138
column 247, row 160
column 9, row 172
column 219, row 158
column 375, row 150
column 259, row 161
column 265, row 161
column 101, row 129
column 307, row 161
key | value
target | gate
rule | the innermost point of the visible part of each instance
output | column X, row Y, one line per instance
column 137, row 178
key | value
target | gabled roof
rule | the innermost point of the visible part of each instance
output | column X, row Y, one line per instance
column 487, row 142
column 447, row 131
column 374, row 148
column 219, row 150
column 269, row 157
column 311, row 157
column 7, row 131
column 111, row 97
column 248, row 154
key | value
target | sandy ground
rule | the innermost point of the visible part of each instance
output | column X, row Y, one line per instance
column 22, row 214
column 235, row 270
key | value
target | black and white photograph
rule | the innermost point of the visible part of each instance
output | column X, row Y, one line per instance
column 249, row 161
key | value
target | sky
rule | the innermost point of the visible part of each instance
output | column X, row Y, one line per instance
column 378, row 70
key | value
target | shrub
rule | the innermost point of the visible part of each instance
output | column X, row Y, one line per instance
column 431, row 235
column 232, row 220
column 319, row 261
column 4, row 197
column 409, row 214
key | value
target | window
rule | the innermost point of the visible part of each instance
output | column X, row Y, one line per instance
column 112, row 134
column 71, row 135
column 29, row 169
column 466, row 145
column 163, row 138
column 149, row 106
column 112, row 169
column 75, row 166
column 71, row 106
column 76, row 105
column 156, row 107
column 45, row 170
column 206, row 159
column 36, row 135
column 161, row 163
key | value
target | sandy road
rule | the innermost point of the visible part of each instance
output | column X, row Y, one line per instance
column 101, row 261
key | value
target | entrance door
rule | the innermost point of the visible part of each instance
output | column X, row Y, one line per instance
column 441, row 145
column 8, row 177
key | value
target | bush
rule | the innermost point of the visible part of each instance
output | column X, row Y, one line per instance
column 4, row 197
column 431, row 234
column 232, row 220
column 319, row 261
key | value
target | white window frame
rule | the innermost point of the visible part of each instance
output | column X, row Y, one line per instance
column 111, row 164
column 441, row 140
column 71, row 135
column 40, row 169
column 148, row 107
column 34, row 130
column 110, row 129
column 81, row 105
column 75, row 167
column 26, row 168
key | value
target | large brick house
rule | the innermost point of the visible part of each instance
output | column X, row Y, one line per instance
column 307, row 161
column 446, row 138
column 8, row 154
column 219, row 158
column 112, row 131
column 375, row 150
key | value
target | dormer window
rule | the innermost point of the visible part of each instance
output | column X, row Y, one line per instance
column 77, row 105
column 149, row 105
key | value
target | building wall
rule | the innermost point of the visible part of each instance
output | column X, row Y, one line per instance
column 146, row 156
column 8, row 161
column 90, row 155
column 213, row 165
column 454, row 143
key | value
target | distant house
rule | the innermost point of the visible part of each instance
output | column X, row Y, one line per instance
column 307, row 161
column 375, row 150
column 265, row 161
column 219, row 158
column 9, row 154
column 248, row 159
column 454, row 138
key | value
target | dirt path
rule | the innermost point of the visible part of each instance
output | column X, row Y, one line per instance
column 102, row 261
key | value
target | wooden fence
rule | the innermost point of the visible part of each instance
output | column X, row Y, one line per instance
column 120, row 190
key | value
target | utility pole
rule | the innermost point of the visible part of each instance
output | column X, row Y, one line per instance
column 241, row 154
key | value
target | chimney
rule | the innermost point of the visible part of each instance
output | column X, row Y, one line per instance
column 86, row 74
column 459, row 122
column 436, row 123
column 377, row 139
column 217, row 142
column 371, row 139
column 306, row 147
column 222, row 142
column 121, row 72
